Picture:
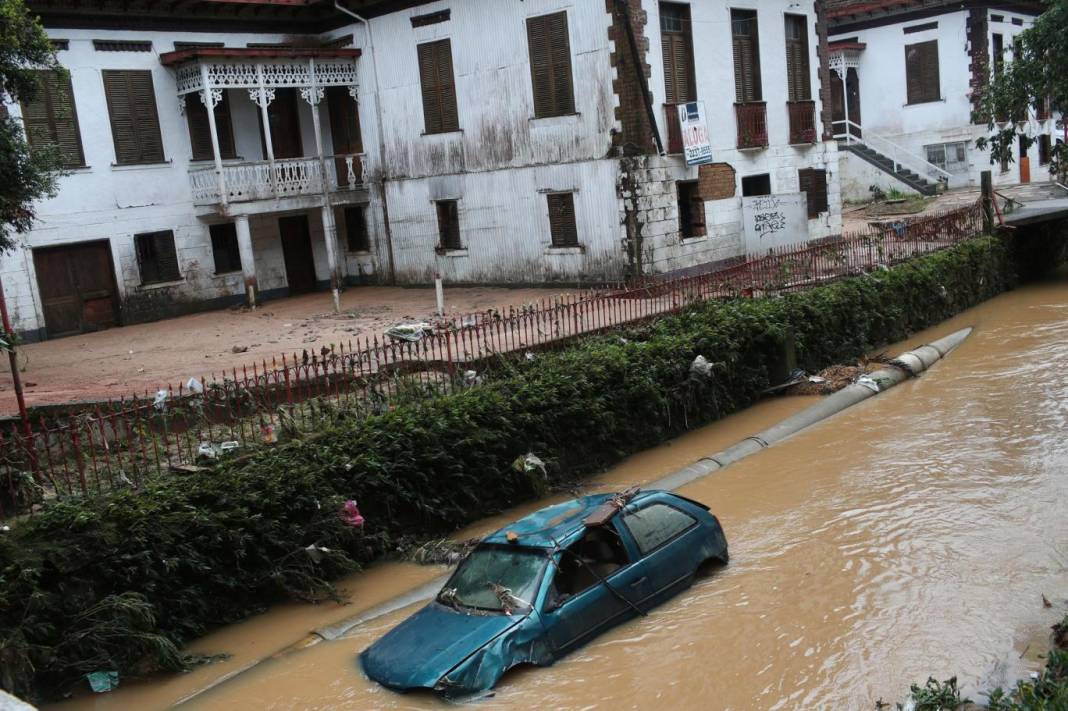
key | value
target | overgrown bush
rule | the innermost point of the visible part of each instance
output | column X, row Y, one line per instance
column 119, row 583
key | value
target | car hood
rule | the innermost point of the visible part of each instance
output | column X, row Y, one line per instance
column 427, row 645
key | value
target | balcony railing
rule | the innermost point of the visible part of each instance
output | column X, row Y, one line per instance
column 802, row 121
column 264, row 180
column 1042, row 110
column 674, row 128
column 752, row 124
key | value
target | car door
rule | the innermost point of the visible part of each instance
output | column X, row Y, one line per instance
column 602, row 603
column 669, row 541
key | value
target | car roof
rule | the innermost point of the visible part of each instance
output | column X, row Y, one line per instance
column 556, row 524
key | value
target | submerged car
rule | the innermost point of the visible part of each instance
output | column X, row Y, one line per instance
column 539, row 588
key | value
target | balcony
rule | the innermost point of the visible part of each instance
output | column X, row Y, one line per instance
column 674, row 128
column 802, row 121
column 1043, row 111
column 274, row 180
column 752, row 124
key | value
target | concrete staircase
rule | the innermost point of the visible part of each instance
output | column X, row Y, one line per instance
column 887, row 165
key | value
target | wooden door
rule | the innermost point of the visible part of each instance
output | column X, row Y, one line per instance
column 77, row 287
column 1025, row 163
column 345, row 131
column 285, row 125
column 297, row 252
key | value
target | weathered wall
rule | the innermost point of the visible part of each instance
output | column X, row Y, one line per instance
column 858, row 176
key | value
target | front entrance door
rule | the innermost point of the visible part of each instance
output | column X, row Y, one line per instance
column 1025, row 163
column 285, row 125
column 77, row 287
column 838, row 103
column 345, row 131
column 297, row 252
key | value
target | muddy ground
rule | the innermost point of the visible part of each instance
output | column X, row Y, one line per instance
column 120, row 361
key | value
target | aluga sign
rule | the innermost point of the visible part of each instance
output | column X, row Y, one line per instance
column 695, row 141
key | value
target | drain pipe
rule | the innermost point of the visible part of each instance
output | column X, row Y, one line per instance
column 907, row 365
column 381, row 136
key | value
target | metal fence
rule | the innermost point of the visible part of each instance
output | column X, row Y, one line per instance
column 122, row 443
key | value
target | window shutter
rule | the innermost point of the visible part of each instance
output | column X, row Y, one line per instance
column 439, row 91
column 134, row 122
column 550, row 65
column 200, row 131
column 921, row 72
column 51, row 119
column 814, row 185
column 797, row 66
column 157, row 258
column 563, row 230
column 677, row 49
column 746, row 56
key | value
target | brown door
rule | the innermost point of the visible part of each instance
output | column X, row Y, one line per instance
column 297, row 252
column 345, row 130
column 77, row 286
column 1025, row 163
column 285, row 125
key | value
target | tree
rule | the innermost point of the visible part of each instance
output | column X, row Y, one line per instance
column 25, row 175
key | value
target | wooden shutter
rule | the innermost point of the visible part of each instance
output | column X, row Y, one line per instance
column 200, row 131
column 550, row 65
column 438, row 87
column 51, row 119
column 799, row 84
column 134, row 121
column 156, row 257
column 676, row 43
column 746, row 56
column 921, row 72
column 562, row 228
column 814, row 185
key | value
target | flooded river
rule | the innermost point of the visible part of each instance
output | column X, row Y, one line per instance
column 912, row 534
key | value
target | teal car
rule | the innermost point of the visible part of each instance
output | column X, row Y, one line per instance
column 548, row 583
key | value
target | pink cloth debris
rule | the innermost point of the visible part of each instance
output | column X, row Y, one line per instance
column 350, row 514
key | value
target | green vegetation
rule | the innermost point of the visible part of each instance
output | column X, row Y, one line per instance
column 120, row 582
column 25, row 176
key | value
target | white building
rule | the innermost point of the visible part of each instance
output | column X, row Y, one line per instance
column 485, row 141
column 912, row 70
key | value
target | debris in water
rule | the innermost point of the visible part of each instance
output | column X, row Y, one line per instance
column 102, row 681
column 442, row 552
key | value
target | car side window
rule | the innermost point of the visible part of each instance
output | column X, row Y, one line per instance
column 654, row 525
column 586, row 562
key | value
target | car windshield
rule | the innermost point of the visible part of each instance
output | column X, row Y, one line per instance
column 495, row 578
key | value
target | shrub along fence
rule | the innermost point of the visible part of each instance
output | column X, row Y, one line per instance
column 118, row 582
column 124, row 443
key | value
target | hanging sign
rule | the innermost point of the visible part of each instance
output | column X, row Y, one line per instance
column 695, row 141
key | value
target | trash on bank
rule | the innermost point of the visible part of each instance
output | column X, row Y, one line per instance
column 528, row 463
column 316, row 552
column 102, row 681
column 194, row 386
column 410, row 332
column 869, row 383
column 350, row 514
column 701, row 366
column 212, row 450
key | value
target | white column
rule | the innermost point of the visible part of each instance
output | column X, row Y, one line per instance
column 211, row 97
column 248, row 257
column 262, row 96
column 313, row 95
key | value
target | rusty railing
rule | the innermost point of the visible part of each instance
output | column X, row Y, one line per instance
column 752, row 124
column 802, row 121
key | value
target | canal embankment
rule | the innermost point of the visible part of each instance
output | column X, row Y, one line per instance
column 120, row 583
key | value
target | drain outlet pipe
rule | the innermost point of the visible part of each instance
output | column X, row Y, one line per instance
column 905, row 366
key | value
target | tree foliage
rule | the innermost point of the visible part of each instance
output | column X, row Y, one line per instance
column 1037, row 75
column 25, row 175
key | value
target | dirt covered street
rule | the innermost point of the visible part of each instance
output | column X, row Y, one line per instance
column 120, row 361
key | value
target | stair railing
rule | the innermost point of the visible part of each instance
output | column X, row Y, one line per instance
column 901, row 156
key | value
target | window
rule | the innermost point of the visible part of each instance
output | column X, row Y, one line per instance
column 798, row 79
column 998, row 42
column 913, row 29
column 655, row 525
column 550, row 65
column 224, row 248
column 156, row 257
column 676, row 42
column 196, row 114
column 448, row 225
column 814, row 185
column 691, row 210
column 516, row 569
column 439, row 90
column 586, row 562
column 1044, row 149
column 356, row 229
column 921, row 72
column 562, row 226
column 134, row 122
column 950, row 157
column 753, row 185
column 52, row 120
column 746, row 56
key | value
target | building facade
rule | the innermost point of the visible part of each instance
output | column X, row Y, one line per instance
column 223, row 152
column 912, row 72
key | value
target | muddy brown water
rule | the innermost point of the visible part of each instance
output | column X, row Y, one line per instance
column 912, row 534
